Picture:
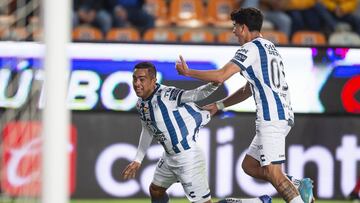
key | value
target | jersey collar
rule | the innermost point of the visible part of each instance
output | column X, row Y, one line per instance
column 152, row 94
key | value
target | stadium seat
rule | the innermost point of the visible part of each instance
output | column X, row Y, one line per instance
column 219, row 12
column 15, row 34
column 37, row 35
column 308, row 38
column 123, row 35
column 159, row 10
column 188, row 13
column 19, row 34
column 6, row 21
column 160, row 35
column 227, row 37
column 276, row 37
column 198, row 36
column 86, row 33
column 344, row 39
column 35, row 28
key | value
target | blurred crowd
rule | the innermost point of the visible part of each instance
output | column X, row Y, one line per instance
column 204, row 21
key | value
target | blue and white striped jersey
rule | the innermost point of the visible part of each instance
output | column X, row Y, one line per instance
column 172, row 123
column 262, row 66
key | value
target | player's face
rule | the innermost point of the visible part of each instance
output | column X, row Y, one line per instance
column 238, row 31
column 143, row 83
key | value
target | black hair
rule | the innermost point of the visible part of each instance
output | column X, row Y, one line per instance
column 251, row 17
column 147, row 65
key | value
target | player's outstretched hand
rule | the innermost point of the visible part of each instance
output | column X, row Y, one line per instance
column 181, row 66
column 211, row 107
column 130, row 170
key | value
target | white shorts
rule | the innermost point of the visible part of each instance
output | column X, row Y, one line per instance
column 188, row 168
column 268, row 145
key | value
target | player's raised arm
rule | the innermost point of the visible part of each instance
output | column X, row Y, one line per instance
column 199, row 93
column 217, row 76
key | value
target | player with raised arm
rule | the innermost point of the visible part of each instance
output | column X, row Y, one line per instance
column 170, row 116
column 261, row 64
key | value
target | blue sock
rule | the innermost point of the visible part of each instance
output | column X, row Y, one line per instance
column 163, row 199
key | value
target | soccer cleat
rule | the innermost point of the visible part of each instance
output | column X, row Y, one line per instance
column 306, row 190
column 265, row 198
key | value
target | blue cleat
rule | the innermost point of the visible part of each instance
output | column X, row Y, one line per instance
column 265, row 198
column 306, row 190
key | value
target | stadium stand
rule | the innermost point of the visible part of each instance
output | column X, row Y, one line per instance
column 6, row 21
column 15, row 34
column 123, row 35
column 37, row 35
column 308, row 38
column 86, row 33
column 175, row 17
column 187, row 13
column 160, row 35
column 19, row 33
column 198, row 36
column 344, row 39
column 218, row 12
column 159, row 10
column 277, row 37
column 226, row 37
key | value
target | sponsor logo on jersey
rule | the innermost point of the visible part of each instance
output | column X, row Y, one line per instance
column 241, row 57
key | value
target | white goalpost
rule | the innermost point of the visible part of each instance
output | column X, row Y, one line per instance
column 56, row 116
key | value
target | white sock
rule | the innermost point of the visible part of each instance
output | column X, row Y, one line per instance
column 249, row 200
column 297, row 199
column 252, row 200
column 294, row 181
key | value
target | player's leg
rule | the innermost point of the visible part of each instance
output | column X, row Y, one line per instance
column 253, row 168
column 265, row 155
column 163, row 179
column 192, row 174
column 158, row 194
column 305, row 187
column 272, row 173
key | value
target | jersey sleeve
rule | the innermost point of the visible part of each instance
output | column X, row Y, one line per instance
column 245, row 56
column 144, row 143
column 172, row 95
column 198, row 93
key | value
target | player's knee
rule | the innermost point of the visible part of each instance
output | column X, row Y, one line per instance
column 157, row 192
column 246, row 168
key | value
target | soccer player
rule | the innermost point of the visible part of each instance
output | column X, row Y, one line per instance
column 170, row 116
column 261, row 64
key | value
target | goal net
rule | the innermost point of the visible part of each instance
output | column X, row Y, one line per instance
column 27, row 115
